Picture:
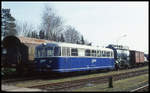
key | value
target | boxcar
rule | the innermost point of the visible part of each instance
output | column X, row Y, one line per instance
column 66, row 57
column 136, row 57
column 18, row 52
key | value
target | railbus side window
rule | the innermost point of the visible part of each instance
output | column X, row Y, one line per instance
column 57, row 51
column 108, row 54
column 64, row 51
column 99, row 53
column 111, row 54
column 87, row 52
column 104, row 53
column 68, row 51
column 74, row 52
column 93, row 52
column 81, row 52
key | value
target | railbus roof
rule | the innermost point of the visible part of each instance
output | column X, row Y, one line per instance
column 70, row 45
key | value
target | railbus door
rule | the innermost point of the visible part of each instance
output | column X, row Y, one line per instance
column 93, row 60
column 66, row 65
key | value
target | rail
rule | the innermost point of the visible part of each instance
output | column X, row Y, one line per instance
column 140, row 88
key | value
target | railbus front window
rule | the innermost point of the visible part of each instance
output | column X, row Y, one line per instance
column 53, row 51
column 37, row 53
column 42, row 52
column 50, row 51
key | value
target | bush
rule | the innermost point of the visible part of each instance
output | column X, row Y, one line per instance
column 7, row 71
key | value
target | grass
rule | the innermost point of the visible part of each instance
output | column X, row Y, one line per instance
column 120, row 85
column 39, row 82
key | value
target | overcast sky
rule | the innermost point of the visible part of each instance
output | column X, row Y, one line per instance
column 101, row 23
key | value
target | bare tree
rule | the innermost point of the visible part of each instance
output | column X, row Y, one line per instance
column 86, row 42
column 24, row 29
column 41, row 34
column 72, row 35
column 51, row 24
column 62, row 39
column 82, row 40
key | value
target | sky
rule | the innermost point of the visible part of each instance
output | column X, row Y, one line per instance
column 101, row 23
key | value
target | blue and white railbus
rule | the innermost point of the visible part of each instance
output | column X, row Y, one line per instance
column 67, row 57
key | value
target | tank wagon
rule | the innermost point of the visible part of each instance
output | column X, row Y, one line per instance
column 18, row 52
column 121, row 56
column 67, row 57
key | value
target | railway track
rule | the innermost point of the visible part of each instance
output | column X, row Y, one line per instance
column 39, row 76
column 67, row 85
column 18, row 79
column 25, row 78
column 144, row 88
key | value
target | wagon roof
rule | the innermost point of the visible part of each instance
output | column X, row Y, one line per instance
column 33, row 40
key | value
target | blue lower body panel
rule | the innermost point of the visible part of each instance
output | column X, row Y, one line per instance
column 69, row 64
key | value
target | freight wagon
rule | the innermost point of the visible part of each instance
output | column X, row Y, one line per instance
column 136, row 57
column 18, row 52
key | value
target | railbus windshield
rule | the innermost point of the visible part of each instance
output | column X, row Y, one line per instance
column 48, row 52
